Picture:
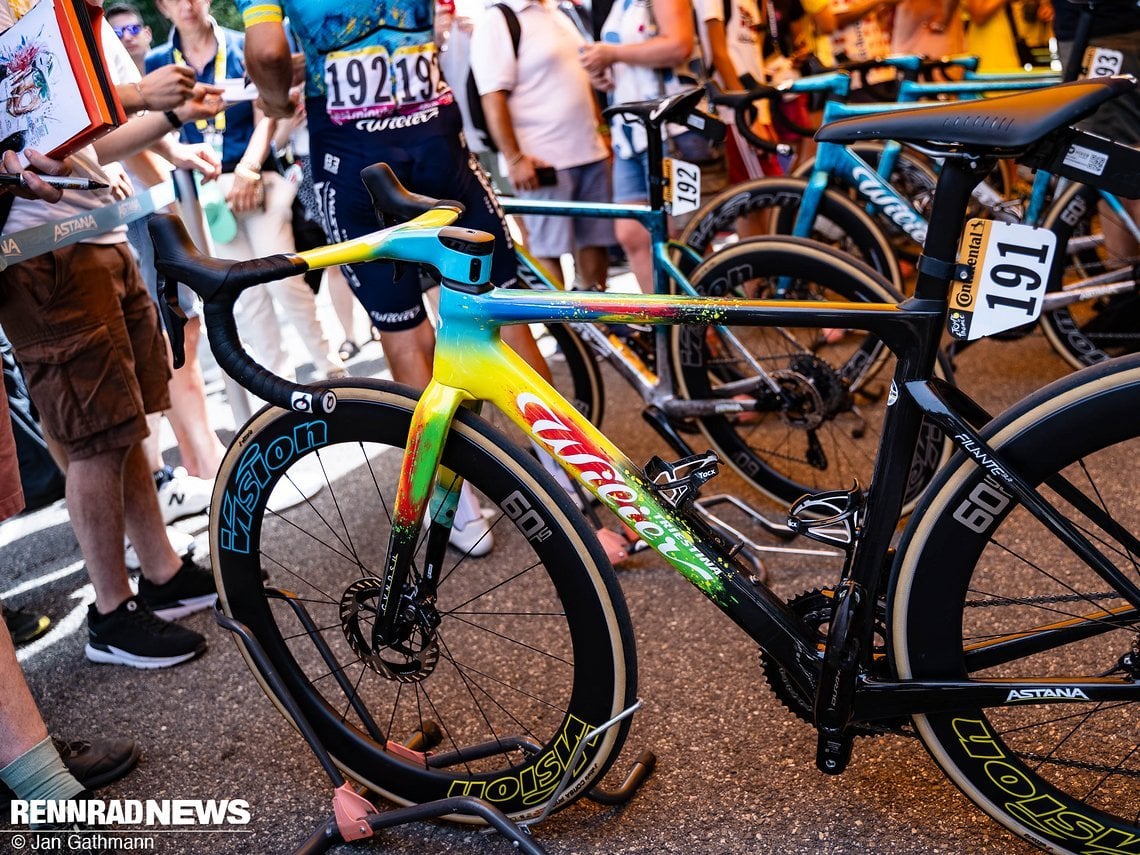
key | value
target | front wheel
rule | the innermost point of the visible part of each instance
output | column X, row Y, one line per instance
column 814, row 399
column 517, row 655
column 983, row 590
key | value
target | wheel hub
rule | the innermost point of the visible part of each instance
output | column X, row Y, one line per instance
column 412, row 653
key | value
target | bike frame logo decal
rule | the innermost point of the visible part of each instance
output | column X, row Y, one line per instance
column 627, row 500
column 254, row 471
column 1038, row 694
column 878, row 194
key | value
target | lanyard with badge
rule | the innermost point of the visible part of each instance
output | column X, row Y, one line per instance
column 213, row 129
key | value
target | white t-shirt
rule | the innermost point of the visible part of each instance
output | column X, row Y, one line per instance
column 27, row 213
column 550, row 99
column 743, row 34
column 630, row 23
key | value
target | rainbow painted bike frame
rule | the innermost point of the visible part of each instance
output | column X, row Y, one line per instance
column 473, row 365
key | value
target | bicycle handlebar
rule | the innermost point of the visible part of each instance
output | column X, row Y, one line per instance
column 743, row 105
column 460, row 255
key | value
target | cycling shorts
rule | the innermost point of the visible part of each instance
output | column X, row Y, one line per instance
column 427, row 153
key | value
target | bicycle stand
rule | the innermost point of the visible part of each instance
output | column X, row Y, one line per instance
column 356, row 818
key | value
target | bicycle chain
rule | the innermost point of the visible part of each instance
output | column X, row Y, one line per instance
column 1054, row 598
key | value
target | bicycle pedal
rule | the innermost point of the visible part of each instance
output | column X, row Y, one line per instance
column 678, row 484
column 829, row 517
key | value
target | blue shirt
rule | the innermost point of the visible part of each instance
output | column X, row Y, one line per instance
column 236, row 121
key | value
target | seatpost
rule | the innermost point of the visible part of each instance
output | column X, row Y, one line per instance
column 655, row 157
column 1080, row 43
column 956, row 183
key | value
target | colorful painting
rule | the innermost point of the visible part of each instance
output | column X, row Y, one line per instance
column 41, row 103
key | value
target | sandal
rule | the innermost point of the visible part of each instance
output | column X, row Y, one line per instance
column 348, row 349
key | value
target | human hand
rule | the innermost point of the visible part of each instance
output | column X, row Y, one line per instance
column 120, row 183
column 34, row 187
column 246, row 195
column 276, row 107
column 203, row 102
column 167, row 87
column 197, row 156
column 522, row 172
column 596, row 58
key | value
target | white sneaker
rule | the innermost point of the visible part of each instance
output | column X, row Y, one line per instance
column 184, row 495
column 180, row 541
column 470, row 533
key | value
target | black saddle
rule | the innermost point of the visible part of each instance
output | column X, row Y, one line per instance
column 987, row 126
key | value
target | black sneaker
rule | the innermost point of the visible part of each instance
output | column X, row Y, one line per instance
column 93, row 764
column 25, row 626
column 190, row 590
column 132, row 635
column 100, row 762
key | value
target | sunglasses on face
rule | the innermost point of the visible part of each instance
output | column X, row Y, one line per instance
column 128, row 30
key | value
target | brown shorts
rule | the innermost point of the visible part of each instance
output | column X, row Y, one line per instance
column 85, row 331
column 11, row 493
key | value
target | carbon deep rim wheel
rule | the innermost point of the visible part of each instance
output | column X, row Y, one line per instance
column 979, row 580
column 533, row 645
column 821, row 431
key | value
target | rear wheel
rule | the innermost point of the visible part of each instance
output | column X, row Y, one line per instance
column 840, row 223
column 983, row 590
column 814, row 400
column 516, row 657
column 1087, row 331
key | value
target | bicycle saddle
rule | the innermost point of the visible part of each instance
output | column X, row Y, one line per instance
column 680, row 109
column 392, row 201
column 991, row 125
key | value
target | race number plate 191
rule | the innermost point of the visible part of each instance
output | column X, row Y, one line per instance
column 682, row 186
column 1011, row 265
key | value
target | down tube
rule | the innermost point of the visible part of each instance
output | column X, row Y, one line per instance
column 496, row 374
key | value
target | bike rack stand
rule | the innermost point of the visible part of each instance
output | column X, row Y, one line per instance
column 356, row 818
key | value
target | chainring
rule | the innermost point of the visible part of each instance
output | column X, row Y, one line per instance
column 814, row 609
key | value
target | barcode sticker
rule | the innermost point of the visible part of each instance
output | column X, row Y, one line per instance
column 1085, row 159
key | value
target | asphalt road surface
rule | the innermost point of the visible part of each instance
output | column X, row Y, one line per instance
column 735, row 769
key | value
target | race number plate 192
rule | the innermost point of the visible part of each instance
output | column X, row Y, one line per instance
column 1011, row 265
column 682, row 186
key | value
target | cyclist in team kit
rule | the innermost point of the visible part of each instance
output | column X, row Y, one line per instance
column 374, row 93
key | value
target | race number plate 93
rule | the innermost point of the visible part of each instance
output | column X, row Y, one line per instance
column 682, row 186
column 1011, row 265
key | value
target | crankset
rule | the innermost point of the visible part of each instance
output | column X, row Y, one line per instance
column 815, row 610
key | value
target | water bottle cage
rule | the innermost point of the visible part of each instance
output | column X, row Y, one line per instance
column 678, row 484
column 829, row 517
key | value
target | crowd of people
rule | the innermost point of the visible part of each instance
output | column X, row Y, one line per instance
column 81, row 319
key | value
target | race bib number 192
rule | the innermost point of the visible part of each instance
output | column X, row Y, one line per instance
column 1011, row 264
column 369, row 82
